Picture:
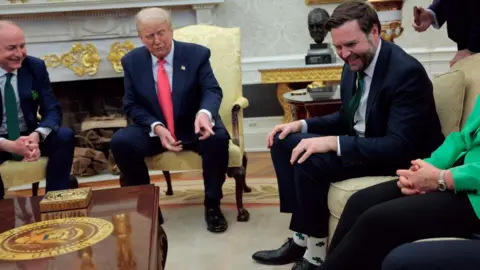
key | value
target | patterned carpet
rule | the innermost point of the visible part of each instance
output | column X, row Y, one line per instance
column 188, row 192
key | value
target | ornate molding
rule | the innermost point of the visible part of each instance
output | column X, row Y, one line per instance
column 302, row 74
column 203, row 6
column 318, row 2
column 117, row 51
column 80, row 59
column 78, row 5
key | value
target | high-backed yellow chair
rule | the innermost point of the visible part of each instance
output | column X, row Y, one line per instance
column 224, row 44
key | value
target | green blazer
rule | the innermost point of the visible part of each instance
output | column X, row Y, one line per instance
column 465, row 143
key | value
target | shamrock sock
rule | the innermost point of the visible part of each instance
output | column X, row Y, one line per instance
column 300, row 239
column 316, row 250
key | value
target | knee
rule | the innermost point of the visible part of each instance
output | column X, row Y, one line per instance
column 399, row 258
column 220, row 140
column 120, row 141
column 64, row 137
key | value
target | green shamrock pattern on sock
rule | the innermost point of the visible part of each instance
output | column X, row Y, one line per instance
column 320, row 244
column 300, row 236
column 318, row 260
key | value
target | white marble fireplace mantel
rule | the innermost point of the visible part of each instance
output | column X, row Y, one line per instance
column 85, row 39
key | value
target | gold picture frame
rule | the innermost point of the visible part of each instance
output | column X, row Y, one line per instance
column 318, row 2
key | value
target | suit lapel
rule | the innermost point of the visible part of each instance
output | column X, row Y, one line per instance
column 24, row 82
column 180, row 69
column 148, row 79
column 378, row 75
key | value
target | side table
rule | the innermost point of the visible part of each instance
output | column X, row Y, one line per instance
column 302, row 105
column 284, row 76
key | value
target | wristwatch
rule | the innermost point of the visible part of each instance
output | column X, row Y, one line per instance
column 441, row 184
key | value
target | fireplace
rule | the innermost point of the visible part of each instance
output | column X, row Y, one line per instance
column 86, row 99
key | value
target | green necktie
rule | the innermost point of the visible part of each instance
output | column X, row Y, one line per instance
column 355, row 101
column 13, row 125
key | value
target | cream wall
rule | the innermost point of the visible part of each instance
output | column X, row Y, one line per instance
column 275, row 33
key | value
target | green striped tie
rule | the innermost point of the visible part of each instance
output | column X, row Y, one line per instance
column 11, row 110
column 355, row 101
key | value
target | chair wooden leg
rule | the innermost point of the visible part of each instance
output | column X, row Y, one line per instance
column 239, row 175
column 35, row 188
column 169, row 183
column 246, row 188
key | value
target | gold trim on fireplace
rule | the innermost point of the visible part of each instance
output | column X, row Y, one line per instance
column 117, row 51
column 80, row 59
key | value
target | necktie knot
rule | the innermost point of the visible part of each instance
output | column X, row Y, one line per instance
column 9, row 76
column 360, row 75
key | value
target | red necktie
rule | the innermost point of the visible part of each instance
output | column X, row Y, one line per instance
column 165, row 97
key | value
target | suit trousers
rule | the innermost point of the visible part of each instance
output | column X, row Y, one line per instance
column 303, row 188
column 435, row 255
column 131, row 145
column 58, row 147
column 380, row 218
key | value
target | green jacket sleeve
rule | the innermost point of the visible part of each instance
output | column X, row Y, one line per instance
column 466, row 176
column 446, row 154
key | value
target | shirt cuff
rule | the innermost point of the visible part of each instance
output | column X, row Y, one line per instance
column 152, row 128
column 212, row 121
column 339, row 152
column 434, row 21
column 304, row 126
column 45, row 131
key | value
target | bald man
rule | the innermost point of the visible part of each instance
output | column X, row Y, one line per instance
column 172, row 98
column 25, row 89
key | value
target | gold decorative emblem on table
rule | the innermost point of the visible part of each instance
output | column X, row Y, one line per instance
column 52, row 238
column 66, row 199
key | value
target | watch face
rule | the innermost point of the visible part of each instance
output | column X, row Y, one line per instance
column 442, row 186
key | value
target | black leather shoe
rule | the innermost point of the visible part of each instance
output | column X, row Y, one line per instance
column 287, row 253
column 216, row 222
column 303, row 264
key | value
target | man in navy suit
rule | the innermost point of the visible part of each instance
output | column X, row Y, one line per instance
column 388, row 118
column 463, row 23
column 25, row 87
column 173, row 99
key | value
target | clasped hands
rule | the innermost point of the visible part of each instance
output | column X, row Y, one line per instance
column 306, row 147
column 203, row 127
column 25, row 146
column 422, row 177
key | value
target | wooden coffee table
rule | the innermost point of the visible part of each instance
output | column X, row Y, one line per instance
column 136, row 242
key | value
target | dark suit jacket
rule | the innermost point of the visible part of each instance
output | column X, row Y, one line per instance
column 401, row 119
column 194, row 87
column 463, row 21
column 35, row 91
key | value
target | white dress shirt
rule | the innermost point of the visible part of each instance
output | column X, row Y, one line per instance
column 21, row 119
column 168, row 66
column 359, row 117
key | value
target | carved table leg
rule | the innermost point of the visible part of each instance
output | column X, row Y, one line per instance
column 283, row 88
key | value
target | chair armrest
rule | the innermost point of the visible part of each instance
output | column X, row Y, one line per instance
column 240, row 104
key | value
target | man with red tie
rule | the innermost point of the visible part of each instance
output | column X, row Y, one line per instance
column 173, row 98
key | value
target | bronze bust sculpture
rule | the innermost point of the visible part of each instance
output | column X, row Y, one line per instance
column 319, row 52
column 316, row 24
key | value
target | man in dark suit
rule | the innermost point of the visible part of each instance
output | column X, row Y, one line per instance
column 388, row 117
column 463, row 23
column 25, row 87
column 173, row 99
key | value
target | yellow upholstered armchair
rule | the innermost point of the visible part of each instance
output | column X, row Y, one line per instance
column 224, row 44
